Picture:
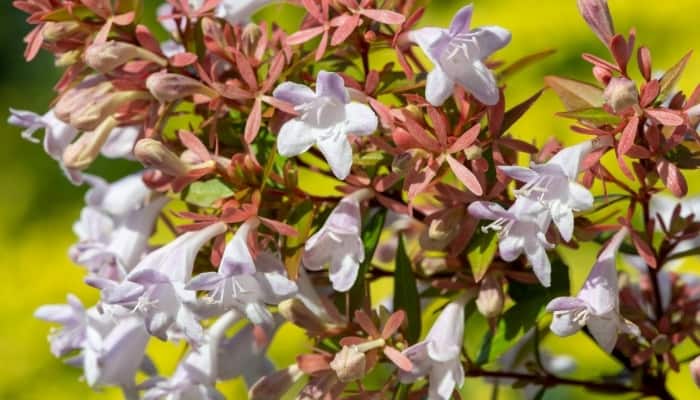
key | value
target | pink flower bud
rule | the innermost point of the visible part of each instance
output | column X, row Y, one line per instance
column 349, row 364
column 621, row 94
column 107, row 56
column 491, row 298
column 81, row 153
column 603, row 75
column 250, row 38
column 167, row 87
column 695, row 370
column 597, row 16
column 154, row 154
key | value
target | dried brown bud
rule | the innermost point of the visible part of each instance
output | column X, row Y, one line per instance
column 106, row 57
column 154, row 154
column 491, row 298
column 402, row 163
column 250, row 37
column 621, row 94
column 349, row 364
column 167, row 87
column 597, row 16
column 296, row 312
column 442, row 229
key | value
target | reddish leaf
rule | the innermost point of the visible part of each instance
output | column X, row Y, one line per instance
column 103, row 33
column 619, row 50
column 397, row 358
column 247, row 72
column 124, row 19
column 466, row 140
column 322, row 46
column 304, row 36
column 183, row 59
column 465, row 176
column 644, row 61
column 650, row 92
column 147, row 40
column 252, row 125
column 384, row 16
column 346, row 25
column 312, row 363
column 393, row 324
column 279, row 227
column 34, row 41
column 643, row 249
column 193, row 143
column 313, row 9
column 280, row 105
column 672, row 177
column 666, row 117
column 629, row 134
column 366, row 323
column 102, row 8
column 439, row 124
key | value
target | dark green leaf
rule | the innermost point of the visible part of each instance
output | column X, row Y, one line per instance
column 204, row 194
column 371, row 232
column 401, row 392
column 406, row 292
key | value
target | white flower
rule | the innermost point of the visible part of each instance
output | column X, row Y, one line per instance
column 521, row 229
column 554, row 184
column 339, row 244
column 597, row 304
column 437, row 356
column 458, row 55
column 246, row 283
column 325, row 119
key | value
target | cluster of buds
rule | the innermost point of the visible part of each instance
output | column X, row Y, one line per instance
column 309, row 173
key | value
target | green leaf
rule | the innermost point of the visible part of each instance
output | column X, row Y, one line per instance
column 301, row 218
column 524, row 62
column 371, row 232
column 401, row 392
column 672, row 76
column 204, row 194
column 575, row 95
column 597, row 116
column 481, row 252
column 406, row 292
column 530, row 300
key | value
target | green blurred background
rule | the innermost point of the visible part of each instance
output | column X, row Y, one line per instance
column 39, row 206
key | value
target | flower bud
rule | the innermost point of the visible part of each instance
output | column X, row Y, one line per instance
column 402, row 163
column 108, row 56
column 603, row 75
column 695, row 370
column 349, row 364
column 442, row 229
column 80, row 96
column 597, row 16
column 250, row 37
column 490, row 299
column 154, row 154
column 621, row 94
column 661, row 344
column 296, row 312
column 275, row 385
column 81, row 153
column 55, row 31
column 167, row 87
column 67, row 59
column 473, row 152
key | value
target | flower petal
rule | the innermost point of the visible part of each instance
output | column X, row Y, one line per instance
column 439, row 87
column 361, row 120
column 330, row 84
column 477, row 79
column 462, row 20
column 295, row 137
column 343, row 272
column 338, row 153
column 294, row 93
column 490, row 39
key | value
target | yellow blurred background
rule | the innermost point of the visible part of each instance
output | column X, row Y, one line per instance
column 38, row 206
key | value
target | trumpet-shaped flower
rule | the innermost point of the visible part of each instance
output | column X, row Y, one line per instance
column 115, row 225
column 597, row 304
column 338, row 243
column 554, row 184
column 72, row 317
column 437, row 356
column 239, row 11
column 458, row 55
column 245, row 282
column 521, row 229
column 156, row 286
column 326, row 117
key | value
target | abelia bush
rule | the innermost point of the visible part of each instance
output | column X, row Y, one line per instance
column 292, row 170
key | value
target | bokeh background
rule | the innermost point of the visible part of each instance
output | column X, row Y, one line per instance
column 38, row 205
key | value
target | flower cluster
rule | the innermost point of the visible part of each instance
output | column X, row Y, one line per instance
column 293, row 170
